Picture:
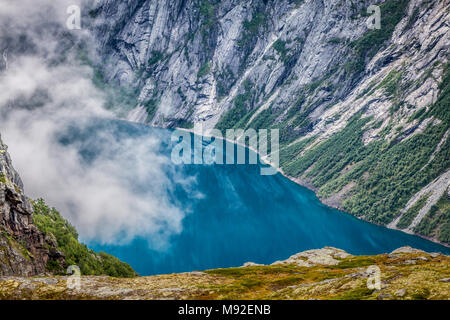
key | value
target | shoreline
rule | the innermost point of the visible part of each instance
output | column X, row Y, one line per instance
column 302, row 183
column 311, row 187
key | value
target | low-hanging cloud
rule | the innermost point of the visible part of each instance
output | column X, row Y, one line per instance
column 38, row 99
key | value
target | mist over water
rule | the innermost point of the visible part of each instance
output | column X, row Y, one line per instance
column 232, row 214
column 115, row 182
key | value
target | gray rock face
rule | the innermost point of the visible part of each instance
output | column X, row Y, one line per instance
column 194, row 57
column 24, row 250
column 406, row 249
column 189, row 60
column 306, row 67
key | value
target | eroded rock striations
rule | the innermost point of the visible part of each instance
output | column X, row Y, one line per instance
column 24, row 250
column 363, row 113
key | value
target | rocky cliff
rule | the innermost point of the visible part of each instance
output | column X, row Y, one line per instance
column 24, row 250
column 35, row 239
column 363, row 113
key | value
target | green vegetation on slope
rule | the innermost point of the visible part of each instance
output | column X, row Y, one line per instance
column 50, row 221
column 331, row 156
column 151, row 106
column 437, row 221
column 265, row 119
column 396, row 172
column 280, row 47
column 385, row 174
column 392, row 11
column 440, row 108
column 204, row 70
column 409, row 215
column 293, row 151
column 207, row 9
column 118, row 98
column 297, row 121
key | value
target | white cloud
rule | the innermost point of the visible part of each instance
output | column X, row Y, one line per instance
column 99, row 199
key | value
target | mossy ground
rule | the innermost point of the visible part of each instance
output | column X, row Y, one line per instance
column 409, row 276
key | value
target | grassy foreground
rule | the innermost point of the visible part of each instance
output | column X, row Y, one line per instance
column 327, row 273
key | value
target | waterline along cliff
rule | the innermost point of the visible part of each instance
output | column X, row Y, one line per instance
column 363, row 113
column 94, row 205
column 45, row 251
column 24, row 249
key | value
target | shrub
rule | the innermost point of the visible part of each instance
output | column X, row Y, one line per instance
column 368, row 45
column 50, row 221
column 242, row 103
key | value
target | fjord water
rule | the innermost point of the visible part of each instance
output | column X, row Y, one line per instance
column 238, row 215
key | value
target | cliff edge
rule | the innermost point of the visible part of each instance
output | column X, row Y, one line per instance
column 24, row 249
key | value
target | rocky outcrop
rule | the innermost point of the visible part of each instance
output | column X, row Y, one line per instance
column 327, row 256
column 189, row 60
column 24, row 250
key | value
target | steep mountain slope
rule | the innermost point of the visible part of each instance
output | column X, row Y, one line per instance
column 328, row 273
column 363, row 113
column 24, row 250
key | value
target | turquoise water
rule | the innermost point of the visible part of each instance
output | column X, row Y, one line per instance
column 241, row 216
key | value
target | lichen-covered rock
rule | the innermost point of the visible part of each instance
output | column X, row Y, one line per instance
column 424, row 280
column 24, row 250
column 400, row 293
column 327, row 256
column 251, row 264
